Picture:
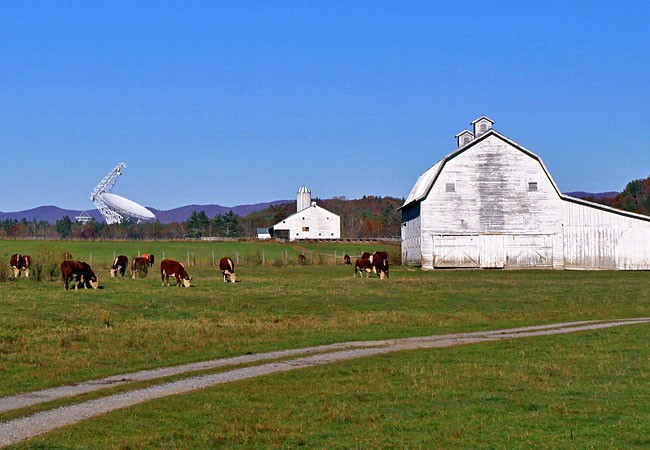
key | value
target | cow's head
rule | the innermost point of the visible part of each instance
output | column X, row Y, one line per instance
column 16, row 271
column 233, row 276
column 113, row 272
column 186, row 281
column 94, row 282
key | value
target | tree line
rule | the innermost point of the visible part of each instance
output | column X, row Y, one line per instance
column 368, row 217
column 634, row 198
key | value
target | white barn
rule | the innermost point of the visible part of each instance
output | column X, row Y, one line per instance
column 309, row 222
column 492, row 203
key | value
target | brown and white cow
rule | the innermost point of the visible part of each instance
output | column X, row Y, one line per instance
column 227, row 267
column 20, row 264
column 346, row 260
column 380, row 264
column 171, row 268
column 119, row 265
column 362, row 265
column 81, row 272
column 140, row 265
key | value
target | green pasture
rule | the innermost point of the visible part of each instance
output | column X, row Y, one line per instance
column 582, row 390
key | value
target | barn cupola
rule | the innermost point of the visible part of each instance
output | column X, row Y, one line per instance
column 482, row 125
column 303, row 199
column 464, row 137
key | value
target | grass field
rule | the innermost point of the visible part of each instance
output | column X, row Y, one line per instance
column 584, row 390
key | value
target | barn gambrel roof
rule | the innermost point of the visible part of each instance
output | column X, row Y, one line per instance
column 426, row 181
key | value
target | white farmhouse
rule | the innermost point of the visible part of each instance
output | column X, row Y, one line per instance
column 492, row 203
column 309, row 222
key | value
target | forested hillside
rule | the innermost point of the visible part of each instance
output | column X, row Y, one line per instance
column 368, row 217
column 634, row 198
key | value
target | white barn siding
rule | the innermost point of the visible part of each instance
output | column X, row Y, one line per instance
column 485, row 193
column 411, row 236
column 493, row 204
column 313, row 222
column 601, row 239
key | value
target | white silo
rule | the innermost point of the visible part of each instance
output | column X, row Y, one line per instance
column 304, row 198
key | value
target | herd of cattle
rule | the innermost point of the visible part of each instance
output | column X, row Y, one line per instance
column 83, row 276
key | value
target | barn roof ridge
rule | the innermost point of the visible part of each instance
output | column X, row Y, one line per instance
column 442, row 162
column 417, row 195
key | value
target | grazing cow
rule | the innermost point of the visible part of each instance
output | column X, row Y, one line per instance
column 227, row 267
column 346, row 260
column 302, row 260
column 20, row 263
column 81, row 272
column 362, row 266
column 150, row 258
column 380, row 264
column 171, row 268
column 119, row 265
column 139, row 265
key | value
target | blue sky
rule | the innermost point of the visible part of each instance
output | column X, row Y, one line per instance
column 235, row 102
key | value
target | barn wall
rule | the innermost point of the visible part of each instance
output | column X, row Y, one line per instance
column 321, row 224
column 411, row 232
column 599, row 239
column 485, row 191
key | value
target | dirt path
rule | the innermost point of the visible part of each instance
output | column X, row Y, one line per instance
column 17, row 430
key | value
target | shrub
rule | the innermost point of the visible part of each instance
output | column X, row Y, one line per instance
column 4, row 272
column 46, row 266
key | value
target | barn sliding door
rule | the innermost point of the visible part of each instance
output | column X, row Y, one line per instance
column 455, row 251
column 492, row 251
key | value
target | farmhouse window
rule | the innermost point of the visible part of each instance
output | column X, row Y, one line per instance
column 532, row 186
column 305, row 228
column 450, row 187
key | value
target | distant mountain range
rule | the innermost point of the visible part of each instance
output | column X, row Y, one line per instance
column 581, row 194
column 53, row 213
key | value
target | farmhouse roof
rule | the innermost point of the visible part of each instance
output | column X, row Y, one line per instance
column 279, row 225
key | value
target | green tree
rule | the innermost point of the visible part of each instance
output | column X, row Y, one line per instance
column 635, row 197
column 64, row 227
column 197, row 224
column 227, row 225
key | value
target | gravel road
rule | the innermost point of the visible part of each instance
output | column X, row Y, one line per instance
column 23, row 428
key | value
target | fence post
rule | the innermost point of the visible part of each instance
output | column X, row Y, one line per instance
column 334, row 257
column 263, row 258
column 212, row 258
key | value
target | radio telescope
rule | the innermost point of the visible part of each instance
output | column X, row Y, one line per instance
column 113, row 207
